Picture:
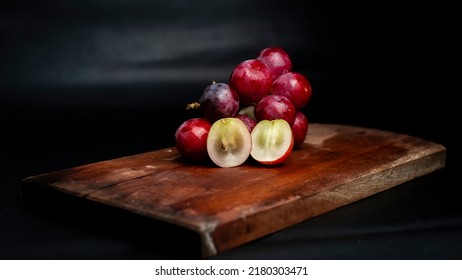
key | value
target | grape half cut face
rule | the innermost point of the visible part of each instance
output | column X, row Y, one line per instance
column 229, row 142
column 272, row 142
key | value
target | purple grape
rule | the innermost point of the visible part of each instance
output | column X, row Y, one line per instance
column 218, row 101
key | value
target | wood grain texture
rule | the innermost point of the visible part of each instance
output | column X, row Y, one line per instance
column 336, row 165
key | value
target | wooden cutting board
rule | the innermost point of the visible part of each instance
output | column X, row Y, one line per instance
column 227, row 207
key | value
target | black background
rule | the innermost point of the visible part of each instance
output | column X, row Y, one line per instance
column 83, row 81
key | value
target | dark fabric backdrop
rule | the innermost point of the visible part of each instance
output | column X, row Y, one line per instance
column 83, row 81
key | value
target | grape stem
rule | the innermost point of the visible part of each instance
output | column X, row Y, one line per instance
column 193, row 106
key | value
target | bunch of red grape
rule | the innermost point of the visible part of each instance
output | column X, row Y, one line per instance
column 257, row 114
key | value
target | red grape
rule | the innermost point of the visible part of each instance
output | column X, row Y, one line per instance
column 191, row 139
column 274, row 107
column 252, row 80
column 249, row 122
column 277, row 59
column 299, row 129
column 294, row 86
